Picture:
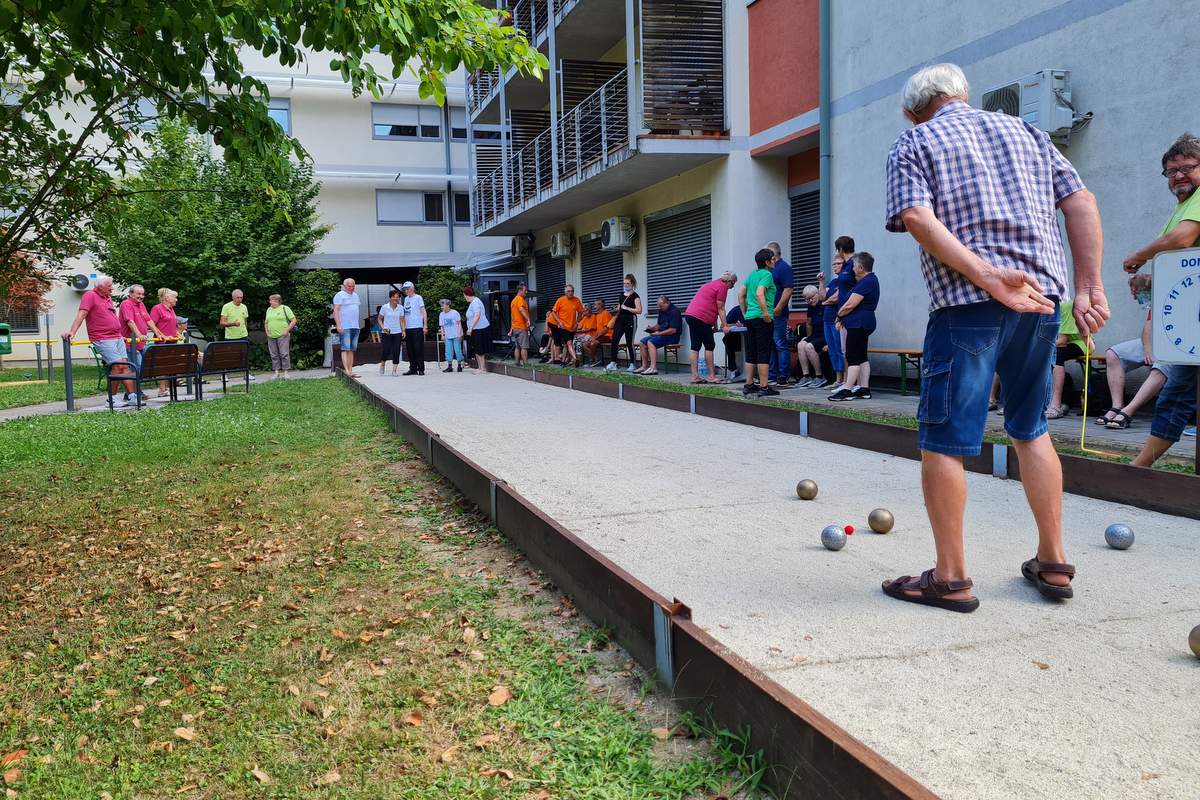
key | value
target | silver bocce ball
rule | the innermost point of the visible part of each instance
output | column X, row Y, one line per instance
column 833, row 537
column 1119, row 536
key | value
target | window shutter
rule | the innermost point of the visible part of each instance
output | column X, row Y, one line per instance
column 393, row 114
column 603, row 271
column 551, row 277
column 678, row 257
column 399, row 206
column 806, row 243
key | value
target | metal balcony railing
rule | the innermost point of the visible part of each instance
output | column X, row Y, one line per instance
column 480, row 85
column 586, row 137
column 530, row 17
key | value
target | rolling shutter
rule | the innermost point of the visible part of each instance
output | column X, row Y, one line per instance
column 678, row 256
column 603, row 271
column 806, row 243
column 551, row 277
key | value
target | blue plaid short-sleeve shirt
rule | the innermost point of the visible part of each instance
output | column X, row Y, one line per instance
column 995, row 182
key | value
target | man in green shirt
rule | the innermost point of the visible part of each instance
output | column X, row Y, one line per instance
column 757, row 299
column 233, row 317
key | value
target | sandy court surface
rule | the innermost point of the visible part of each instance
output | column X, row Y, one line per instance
column 1097, row 697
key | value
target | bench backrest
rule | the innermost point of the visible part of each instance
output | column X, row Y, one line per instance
column 169, row 361
column 226, row 357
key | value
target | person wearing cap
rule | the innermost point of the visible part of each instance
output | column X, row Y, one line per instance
column 478, row 328
column 452, row 332
column 416, row 319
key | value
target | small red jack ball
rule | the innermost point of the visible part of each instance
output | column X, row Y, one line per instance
column 849, row 530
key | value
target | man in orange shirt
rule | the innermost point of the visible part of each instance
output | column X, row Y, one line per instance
column 519, row 330
column 565, row 317
column 594, row 332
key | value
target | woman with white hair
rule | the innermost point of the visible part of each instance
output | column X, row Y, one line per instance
column 162, row 316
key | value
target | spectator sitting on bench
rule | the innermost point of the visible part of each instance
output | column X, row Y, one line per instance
column 810, row 346
column 1120, row 359
column 1070, row 347
column 593, row 333
column 663, row 334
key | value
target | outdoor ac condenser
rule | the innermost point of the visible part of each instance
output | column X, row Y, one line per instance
column 1043, row 99
column 522, row 245
column 617, row 233
column 562, row 244
column 81, row 282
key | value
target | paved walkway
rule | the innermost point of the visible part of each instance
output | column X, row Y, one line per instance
column 1093, row 698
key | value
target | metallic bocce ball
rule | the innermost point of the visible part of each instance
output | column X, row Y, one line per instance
column 1119, row 536
column 881, row 520
column 1194, row 640
column 806, row 489
column 833, row 537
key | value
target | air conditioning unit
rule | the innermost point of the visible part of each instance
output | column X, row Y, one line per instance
column 522, row 245
column 81, row 282
column 617, row 233
column 562, row 244
column 1042, row 99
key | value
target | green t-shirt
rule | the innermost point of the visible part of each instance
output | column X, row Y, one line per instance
column 1067, row 325
column 238, row 314
column 278, row 318
column 1189, row 209
column 760, row 277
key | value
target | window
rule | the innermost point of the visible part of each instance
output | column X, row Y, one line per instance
column 396, row 121
column 462, row 208
column 458, row 123
column 280, row 110
column 806, row 243
column 398, row 207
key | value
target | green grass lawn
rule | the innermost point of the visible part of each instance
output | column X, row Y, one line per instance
column 269, row 596
column 28, row 394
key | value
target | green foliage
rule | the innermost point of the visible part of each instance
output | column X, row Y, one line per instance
column 309, row 299
column 184, row 223
column 83, row 78
column 435, row 283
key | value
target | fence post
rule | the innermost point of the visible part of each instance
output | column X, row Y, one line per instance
column 603, row 128
column 37, row 348
column 578, row 152
column 67, row 379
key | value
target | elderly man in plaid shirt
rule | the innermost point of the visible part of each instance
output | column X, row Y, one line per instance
column 979, row 192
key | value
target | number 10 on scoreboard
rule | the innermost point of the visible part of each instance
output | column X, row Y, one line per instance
column 1176, row 306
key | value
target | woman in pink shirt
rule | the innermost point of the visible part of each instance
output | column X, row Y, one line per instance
column 163, row 318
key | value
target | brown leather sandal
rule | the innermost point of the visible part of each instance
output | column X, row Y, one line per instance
column 933, row 591
column 1033, row 571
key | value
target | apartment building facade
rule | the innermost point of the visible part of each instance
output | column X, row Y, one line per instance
column 699, row 123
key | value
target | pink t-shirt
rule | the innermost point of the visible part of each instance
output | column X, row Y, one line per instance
column 164, row 319
column 101, row 318
column 704, row 305
column 132, row 311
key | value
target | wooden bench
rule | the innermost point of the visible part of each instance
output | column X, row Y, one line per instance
column 912, row 358
column 224, row 359
column 168, row 362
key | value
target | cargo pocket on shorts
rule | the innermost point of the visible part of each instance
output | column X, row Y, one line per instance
column 934, row 408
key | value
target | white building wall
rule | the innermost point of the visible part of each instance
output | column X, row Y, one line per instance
column 1127, row 60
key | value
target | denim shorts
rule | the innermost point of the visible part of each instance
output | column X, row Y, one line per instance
column 112, row 351
column 661, row 341
column 964, row 347
column 348, row 339
column 1176, row 402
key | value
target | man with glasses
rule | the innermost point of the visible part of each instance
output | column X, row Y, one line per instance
column 1177, row 402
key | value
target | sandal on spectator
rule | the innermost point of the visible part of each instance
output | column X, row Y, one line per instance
column 650, row 372
column 933, row 591
column 1058, row 412
column 1108, row 416
column 1120, row 422
column 1033, row 571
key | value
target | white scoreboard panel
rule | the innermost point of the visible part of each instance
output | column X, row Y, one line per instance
column 1175, row 298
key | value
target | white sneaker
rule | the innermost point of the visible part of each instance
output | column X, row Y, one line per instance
column 120, row 402
column 612, row 366
column 836, row 387
column 631, row 368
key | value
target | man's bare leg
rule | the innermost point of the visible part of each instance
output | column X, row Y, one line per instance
column 1115, row 372
column 1041, row 476
column 944, row 483
column 1152, row 451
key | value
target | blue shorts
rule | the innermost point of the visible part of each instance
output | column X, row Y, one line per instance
column 1176, row 403
column 348, row 339
column 964, row 347
column 661, row 341
column 112, row 351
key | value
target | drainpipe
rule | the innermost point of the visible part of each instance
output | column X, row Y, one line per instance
column 449, row 202
column 825, row 144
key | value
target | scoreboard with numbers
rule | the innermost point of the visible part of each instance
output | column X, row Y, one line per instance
column 1175, row 298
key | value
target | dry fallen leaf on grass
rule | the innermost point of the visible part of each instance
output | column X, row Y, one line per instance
column 330, row 778
column 468, row 635
column 449, row 755
column 499, row 696
column 12, row 775
column 187, row 734
column 338, row 633
column 486, row 739
column 414, row 718
column 13, row 758
column 429, row 700
column 661, row 734
column 492, row 772
column 260, row 776
column 325, row 679
column 150, row 681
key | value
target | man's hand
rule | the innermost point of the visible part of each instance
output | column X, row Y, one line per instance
column 768, row 318
column 1018, row 290
column 1091, row 308
column 339, row 330
column 1132, row 263
column 1148, row 358
column 68, row 336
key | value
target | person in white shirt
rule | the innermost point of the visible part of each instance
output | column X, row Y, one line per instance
column 391, row 322
column 451, row 324
column 347, row 316
column 415, row 322
column 478, row 328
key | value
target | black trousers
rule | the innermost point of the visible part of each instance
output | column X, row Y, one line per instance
column 733, row 344
column 391, row 347
column 416, row 349
column 623, row 327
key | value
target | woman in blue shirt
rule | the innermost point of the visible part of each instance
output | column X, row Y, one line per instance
column 857, row 317
column 839, row 290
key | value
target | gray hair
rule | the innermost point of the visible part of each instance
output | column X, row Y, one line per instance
column 774, row 248
column 236, row 292
column 133, row 286
column 104, row 280
column 932, row 82
column 1185, row 145
column 810, row 289
column 730, row 276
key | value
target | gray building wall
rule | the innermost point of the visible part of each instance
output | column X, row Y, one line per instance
column 1128, row 60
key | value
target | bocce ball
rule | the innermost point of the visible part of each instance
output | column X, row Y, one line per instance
column 881, row 520
column 1119, row 536
column 1194, row 640
column 806, row 489
column 833, row 537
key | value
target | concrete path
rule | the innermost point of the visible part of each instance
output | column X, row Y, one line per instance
column 1093, row 698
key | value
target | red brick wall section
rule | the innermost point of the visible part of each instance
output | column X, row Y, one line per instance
column 784, row 65
column 804, row 167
